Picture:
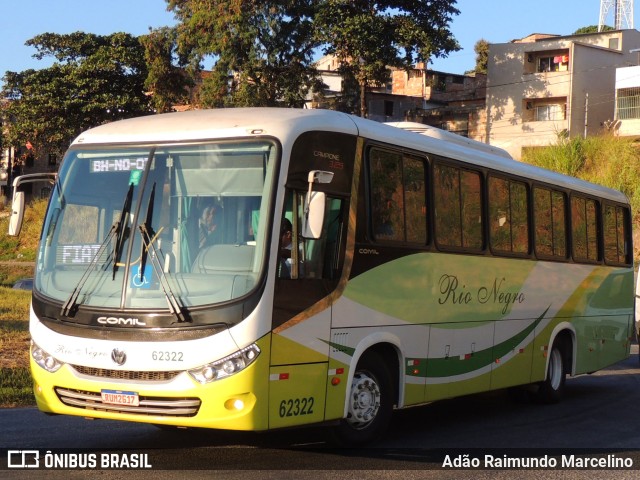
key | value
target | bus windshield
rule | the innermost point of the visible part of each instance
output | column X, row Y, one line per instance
column 129, row 227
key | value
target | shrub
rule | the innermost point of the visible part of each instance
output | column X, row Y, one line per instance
column 610, row 161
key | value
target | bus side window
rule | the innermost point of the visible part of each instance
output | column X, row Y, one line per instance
column 316, row 258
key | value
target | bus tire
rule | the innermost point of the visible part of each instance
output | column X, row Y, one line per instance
column 370, row 403
column 552, row 388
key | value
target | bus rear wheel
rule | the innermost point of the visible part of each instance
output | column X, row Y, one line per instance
column 552, row 388
column 370, row 403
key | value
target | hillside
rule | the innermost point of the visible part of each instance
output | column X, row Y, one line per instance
column 606, row 160
column 17, row 254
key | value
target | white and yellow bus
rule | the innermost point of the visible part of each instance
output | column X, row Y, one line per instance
column 167, row 289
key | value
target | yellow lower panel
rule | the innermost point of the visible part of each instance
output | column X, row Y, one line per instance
column 457, row 389
column 297, row 394
column 413, row 394
column 513, row 371
column 235, row 403
column 336, row 389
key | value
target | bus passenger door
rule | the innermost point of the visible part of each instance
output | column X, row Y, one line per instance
column 307, row 274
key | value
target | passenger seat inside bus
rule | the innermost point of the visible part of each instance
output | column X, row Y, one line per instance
column 224, row 258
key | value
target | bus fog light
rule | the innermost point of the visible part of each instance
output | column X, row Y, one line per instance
column 44, row 359
column 237, row 404
column 234, row 404
column 225, row 367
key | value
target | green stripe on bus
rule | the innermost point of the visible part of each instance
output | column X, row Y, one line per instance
column 450, row 366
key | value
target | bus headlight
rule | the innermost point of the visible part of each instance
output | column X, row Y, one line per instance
column 44, row 359
column 227, row 366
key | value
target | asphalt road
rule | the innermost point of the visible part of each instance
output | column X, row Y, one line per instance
column 597, row 419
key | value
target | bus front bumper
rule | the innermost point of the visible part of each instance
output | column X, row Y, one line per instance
column 237, row 402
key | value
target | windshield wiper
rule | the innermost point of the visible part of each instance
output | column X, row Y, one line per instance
column 117, row 230
column 148, row 238
column 148, row 231
column 69, row 307
column 122, row 230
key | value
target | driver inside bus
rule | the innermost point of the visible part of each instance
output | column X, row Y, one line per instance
column 207, row 228
column 285, row 249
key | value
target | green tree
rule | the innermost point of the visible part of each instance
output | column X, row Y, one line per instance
column 168, row 80
column 95, row 79
column 592, row 29
column 369, row 36
column 263, row 49
column 481, row 48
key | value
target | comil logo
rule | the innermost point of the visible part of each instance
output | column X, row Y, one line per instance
column 134, row 322
column 23, row 459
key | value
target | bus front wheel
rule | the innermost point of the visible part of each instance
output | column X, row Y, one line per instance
column 552, row 388
column 370, row 402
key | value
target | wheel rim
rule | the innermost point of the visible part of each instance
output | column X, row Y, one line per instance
column 555, row 369
column 364, row 401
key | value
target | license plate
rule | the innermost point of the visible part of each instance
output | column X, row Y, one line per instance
column 118, row 397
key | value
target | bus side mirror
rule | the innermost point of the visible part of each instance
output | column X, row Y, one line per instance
column 17, row 214
column 17, row 202
column 314, row 205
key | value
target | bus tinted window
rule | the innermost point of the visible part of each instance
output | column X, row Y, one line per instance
column 397, row 197
column 458, row 207
column 615, row 246
column 549, row 208
column 414, row 196
column 509, row 224
column 584, row 229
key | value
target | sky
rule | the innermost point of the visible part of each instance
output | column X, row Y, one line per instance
column 29, row 18
column 497, row 21
column 500, row 21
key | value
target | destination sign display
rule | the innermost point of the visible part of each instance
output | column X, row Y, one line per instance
column 118, row 164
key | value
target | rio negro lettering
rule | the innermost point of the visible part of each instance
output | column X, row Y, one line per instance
column 453, row 292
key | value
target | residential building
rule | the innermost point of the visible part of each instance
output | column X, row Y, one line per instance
column 23, row 159
column 444, row 100
column 452, row 102
column 332, row 95
column 543, row 86
column 627, row 118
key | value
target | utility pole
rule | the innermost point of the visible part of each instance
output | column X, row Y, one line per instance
column 586, row 114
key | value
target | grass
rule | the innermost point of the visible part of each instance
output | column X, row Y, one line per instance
column 17, row 255
column 10, row 272
column 16, row 388
column 606, row 160
column 24, row 246
column 15, row 381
